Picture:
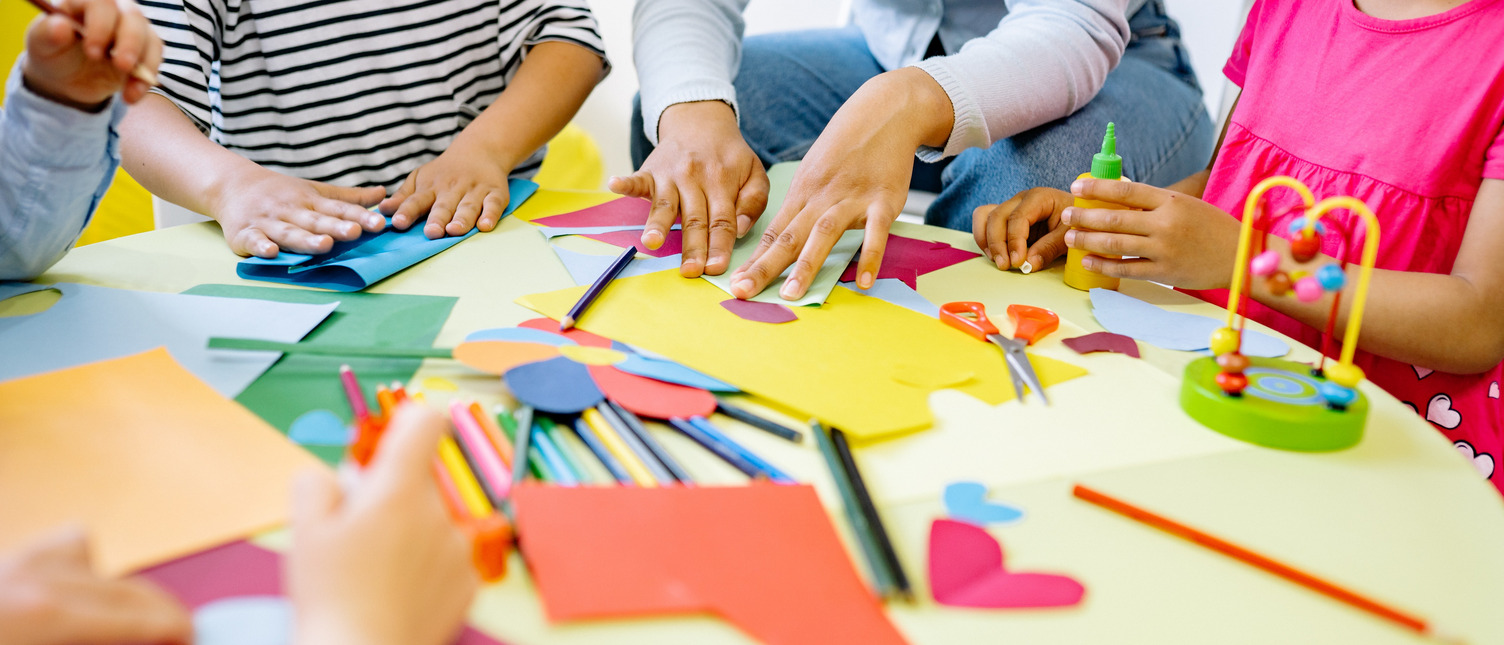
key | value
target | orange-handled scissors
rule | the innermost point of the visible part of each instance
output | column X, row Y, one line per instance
column 1029, row 324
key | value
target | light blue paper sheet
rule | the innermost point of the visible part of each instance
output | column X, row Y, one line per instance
column 584, row 268
column 357, row 264
column 89, row 324
column 1135, row 318
column 895, row 291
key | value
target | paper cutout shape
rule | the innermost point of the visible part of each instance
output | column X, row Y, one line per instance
column 439, row 384
column 112, row 444
column 763, row 312
column 624, row 236
column 647, row 397
column 1132, row 317
column 584, row 268
column 592, row 355
column 967, row 502
column 498, row 356
column 1102, row 341
column 245, row 620
column 557, row 385
column 930, row 377
column 825, row 366
column 360, row 263
column 966, row 570
column 625, row 211
column 598, row 552
column 898, row 293
column 575, row 334
column 522, row 335
column 237, row 570
column 779, row 177
column 905, row 259
column 302, row 382
column 551, row 232
column 319, row 428
column 89, row 324
column 671, row 372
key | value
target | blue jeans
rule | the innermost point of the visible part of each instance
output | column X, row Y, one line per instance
column 791, row 84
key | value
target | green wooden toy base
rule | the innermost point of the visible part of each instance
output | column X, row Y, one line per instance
column 1280, row 408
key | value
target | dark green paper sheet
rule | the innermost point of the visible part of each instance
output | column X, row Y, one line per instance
column 297, row 384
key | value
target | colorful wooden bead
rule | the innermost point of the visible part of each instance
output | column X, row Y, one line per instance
column 1308, row 289
column 1337, row 396
column 1305, row 247
column 1279, row 284
column 1233, row 362
column 1231, row 383
column 1225, row 341
column 1344, row 374
column 1299, row 224
column 1331, row 277
column 1265, row 263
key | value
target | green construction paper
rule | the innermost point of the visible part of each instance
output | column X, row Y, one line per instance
column 299, row 383
column 254, row 344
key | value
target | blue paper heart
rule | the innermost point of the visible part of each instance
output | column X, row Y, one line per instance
column 319, row 428
column 244, row 620
column 967, row 502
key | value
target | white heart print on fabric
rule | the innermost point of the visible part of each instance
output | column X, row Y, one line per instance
column 1421, row 372
column 1493, row 390
column 1484, row 462
column 1439, row 411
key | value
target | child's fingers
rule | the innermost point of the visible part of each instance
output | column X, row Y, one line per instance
column 404, row 458
column 122, row 611
column 465, row 214
column 315, row 497
column 390, row 205
column 348, row 212
column 665, row 210
column 1108, row 219
column 130, row 39
column 325, row 224
column 439, row 216
column 1132, row 268
column 99, row 22
column 413, row 209
column 252, row 241
column 1106, row 243
column 296, row 239
column 1127, row 193
column 1047, row 248
column 874, row 244
column 491, row 209
column 822, row 237
column 637, row 184
column 693, row 214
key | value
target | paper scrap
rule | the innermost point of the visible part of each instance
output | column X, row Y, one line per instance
column 1130, row 316
column 439, row 384
column 597, row 552
column 551, row 232
column 966, row 570
column 625, row 211
column 585, row 268
column 967, row 502
column 624, row 236
column 763, row 312
column 898, row 293
column 149, row 458
column 779, row 177
column 557, row 385
column 574, row 334
column 670, row 372
column 319, row 428
column 647, row 397
column 245, row 620
column 90, row 323
column 906, row 258
column 1102, row 341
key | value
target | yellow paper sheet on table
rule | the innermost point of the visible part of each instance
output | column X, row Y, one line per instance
column 837, row 363
column 152, row 461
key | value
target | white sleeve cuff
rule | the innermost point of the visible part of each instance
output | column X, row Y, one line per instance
column 690, row 92
column 970, row 128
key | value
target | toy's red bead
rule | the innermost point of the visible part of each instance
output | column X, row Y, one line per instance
column 1279, row 283
column 1231, row 383
column 1305, row 247
column 1233, row 363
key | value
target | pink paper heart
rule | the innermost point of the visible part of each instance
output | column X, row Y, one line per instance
column 966, row 570
column 1439, row 411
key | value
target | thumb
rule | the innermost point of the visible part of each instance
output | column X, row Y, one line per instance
column 368, row 196
column 50, row 36
column 637, row 184
column 315, row 496
column 1047, row 248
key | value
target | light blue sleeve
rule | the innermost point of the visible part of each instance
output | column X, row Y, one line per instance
column 55, row 164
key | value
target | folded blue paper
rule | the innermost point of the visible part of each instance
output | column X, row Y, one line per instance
column 357, row 264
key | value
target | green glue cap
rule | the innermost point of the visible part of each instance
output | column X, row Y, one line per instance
column 1107, row 164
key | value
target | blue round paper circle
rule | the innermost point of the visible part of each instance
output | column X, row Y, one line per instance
column 557, row 386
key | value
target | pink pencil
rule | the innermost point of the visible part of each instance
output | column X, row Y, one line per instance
column 487, row 462
column 352, row 392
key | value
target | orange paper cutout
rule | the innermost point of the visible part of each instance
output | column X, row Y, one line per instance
column 498, row 356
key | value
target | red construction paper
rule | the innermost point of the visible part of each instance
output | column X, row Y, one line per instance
column 240, row 569
column 673, row 244
column 906, row 258
column 764, row 312
column 1103, row 341
column 966, row 570
column 648, row 397
column 626, row 211
column 577, row 335
column 763, row 556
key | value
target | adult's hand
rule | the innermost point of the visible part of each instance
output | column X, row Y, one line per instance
column 855, row 175
column 704, row 173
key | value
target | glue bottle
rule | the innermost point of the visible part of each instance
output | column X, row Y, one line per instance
column 1104, row 165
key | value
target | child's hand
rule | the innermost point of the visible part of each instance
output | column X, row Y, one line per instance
column 384, row 563
column 271, row 210
column 50, row 595
column 1002, row 230
column 462, row 189
column 1175, row 239
column 84, row 71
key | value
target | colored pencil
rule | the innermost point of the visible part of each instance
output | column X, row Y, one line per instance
column 553, row 459
column 385, row 400
column 453, row 501
column 602, row 454
column 140, row 72
column 353, row 392
column 494, row 475
column 660, row 474
column 882, row 579
column 469, row 488
column 493, row 433
column 398, row 392
column 595, row 289
column 773, row 472
column 716, row 448
column 521, row 443
column 1309, row 581
column 630, row 461
column 634, row 424
column 874, row 521
column 576, row 456
column 771, row 427
column 360, row 351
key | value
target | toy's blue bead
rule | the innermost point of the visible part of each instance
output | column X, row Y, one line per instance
column 1300, row 223
column 1337, row 395
column 1331, row 277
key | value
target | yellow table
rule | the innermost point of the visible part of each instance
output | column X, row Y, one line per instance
column 1401, row 517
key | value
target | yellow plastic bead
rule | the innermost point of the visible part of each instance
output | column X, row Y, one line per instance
column 1224, row 341
column 1345, row 374
column 1295, row 276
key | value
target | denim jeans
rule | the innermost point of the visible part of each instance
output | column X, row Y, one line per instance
column 791, row 84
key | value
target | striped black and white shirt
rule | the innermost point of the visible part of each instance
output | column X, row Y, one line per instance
column 351, row 92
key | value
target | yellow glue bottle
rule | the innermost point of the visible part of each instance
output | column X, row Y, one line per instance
column 1104, row 165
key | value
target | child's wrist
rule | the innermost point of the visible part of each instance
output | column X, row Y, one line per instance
column 60, row 97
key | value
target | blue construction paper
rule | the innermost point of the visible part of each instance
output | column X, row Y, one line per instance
column 520, row 335
column 89, row 324
column 557, row 385
column 244, row 620
column 671, row 372
column 360, row 263
column 895, row 291
column 1135, row 318
column 550, row 232
column 584, row 268
column 967, row 502
column 319, row 428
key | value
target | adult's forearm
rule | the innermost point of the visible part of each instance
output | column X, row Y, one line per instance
column 685, row 51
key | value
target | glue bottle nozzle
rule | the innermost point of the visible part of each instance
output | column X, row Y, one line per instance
column 1107, row 164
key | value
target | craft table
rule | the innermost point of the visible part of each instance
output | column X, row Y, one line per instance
column 1402, row 517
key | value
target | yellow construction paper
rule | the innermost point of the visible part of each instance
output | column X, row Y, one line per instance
column 151, row 460
column 546, row 203
column 835, row 363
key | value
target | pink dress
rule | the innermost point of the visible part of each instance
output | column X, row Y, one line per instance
column 1404, row 115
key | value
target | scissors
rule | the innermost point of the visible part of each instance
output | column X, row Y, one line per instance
column 1029, row 324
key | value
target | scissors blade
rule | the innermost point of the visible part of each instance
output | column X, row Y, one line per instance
column 1022, row 371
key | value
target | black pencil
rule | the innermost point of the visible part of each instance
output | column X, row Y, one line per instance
column 766, row 425
column 864, row 500
column 634, row 425
column 595, row 289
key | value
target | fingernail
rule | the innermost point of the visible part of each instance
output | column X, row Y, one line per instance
column 718, row 258
column 652, row 239
column 743, row 286
column 743, row 224
column 1014, row 257
column 790, row 290
column 1001, row 262
column 1076, row 187
column 1070, row 238
column 1027, row 268
column 1067, row 214
column 864, row 280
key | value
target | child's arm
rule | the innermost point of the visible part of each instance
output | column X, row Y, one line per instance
column 466, row 186
column 1452, row 323
column 259, row 210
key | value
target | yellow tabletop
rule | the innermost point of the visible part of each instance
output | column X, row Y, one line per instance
column 1402, row 517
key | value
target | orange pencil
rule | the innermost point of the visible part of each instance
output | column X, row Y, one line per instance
column 1285, row 571
column 493, row 433
column 386, row 400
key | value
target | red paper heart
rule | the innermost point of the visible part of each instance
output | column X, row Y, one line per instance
column 966, row 570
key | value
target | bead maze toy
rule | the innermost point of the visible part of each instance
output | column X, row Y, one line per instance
column 1274, row 402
